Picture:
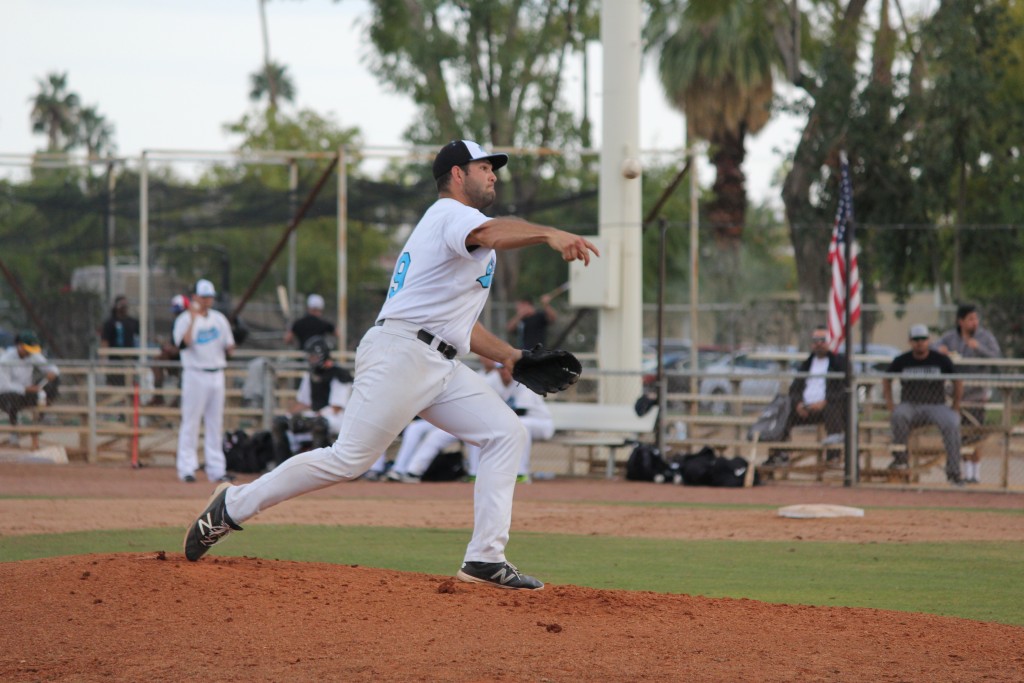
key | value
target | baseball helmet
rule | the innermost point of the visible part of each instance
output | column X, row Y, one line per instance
column 317, row 351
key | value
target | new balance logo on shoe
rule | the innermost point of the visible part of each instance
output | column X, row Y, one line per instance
column 210, row 533
column 504, row 576
column 212, row 525
column 500, row 574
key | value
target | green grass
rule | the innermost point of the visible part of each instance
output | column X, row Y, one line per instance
column 977, row 580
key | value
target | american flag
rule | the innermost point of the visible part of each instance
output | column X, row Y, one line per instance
column 837, row 257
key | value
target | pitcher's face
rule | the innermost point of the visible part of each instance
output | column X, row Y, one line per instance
column 479, row 184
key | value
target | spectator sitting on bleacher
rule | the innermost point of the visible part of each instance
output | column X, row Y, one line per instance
column 815, row 399
column 923, row 401
column 17, row 387
column 316, row 414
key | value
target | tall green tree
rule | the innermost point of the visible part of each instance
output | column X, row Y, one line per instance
column 493, row 71
column 55, row 111
column 716, row 63
column 94, row 132
column 272, row 82
column 828, row 84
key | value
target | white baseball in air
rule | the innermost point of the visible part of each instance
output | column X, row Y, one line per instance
column 631, row 168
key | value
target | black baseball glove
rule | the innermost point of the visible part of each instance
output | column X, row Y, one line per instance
column 543, row 370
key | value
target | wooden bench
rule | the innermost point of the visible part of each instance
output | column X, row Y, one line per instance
column 599, row 425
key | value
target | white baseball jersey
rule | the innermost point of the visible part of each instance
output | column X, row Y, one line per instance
column 429, row 287
column 211, row 338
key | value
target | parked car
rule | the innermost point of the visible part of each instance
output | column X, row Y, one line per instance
column 880, row 355
column 676, row 365
column 754, row 376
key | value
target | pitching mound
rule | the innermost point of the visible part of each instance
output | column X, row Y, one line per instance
column 155, row 617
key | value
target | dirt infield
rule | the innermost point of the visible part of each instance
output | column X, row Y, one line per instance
column 151, row 616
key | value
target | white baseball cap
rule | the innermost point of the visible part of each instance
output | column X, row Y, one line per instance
column 205, row 288
column 919, row 332
column 315, row 301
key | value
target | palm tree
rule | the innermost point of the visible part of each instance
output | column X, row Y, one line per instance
column 94, row 132
column 272, row 82
column 55, row 111
column 716, row 67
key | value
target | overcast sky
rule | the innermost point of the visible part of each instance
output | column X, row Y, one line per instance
column 168, row 74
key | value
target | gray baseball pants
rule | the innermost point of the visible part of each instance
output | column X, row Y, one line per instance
column 906, row 416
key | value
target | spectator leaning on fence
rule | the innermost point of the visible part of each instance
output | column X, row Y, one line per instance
column 970, row 340
column 923, row 401
column 17, row 387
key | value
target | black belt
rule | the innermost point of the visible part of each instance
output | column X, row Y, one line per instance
column 444, row 348
column 211, row 369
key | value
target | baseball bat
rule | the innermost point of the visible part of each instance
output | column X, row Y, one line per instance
column 559, row 290
column 748, row 477
column 282, row 300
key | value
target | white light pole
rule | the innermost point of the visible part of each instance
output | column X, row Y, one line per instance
column 619, row 213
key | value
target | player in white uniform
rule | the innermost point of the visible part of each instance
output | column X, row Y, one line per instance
column 532, row 412
column 406, row 365
column 205, row 339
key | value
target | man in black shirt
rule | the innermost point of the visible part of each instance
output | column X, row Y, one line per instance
column 120, row 331
column 923, row 400
column 531, row 325
column 310, row 325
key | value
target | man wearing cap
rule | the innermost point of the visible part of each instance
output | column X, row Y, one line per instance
column 204, row 337
column 923, row 401
column 17, row 388
column 310, row 325
column 406, row 365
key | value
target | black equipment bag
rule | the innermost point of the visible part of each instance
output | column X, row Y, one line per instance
column 645, row 464
column 446, row 466
column 247, row 454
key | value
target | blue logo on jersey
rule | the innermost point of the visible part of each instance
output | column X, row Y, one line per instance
column 207, row 335
column 485, row 280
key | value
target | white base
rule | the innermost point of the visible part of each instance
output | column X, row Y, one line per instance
column 819, row 510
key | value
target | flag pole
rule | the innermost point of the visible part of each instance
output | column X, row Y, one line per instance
column 851, row 474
